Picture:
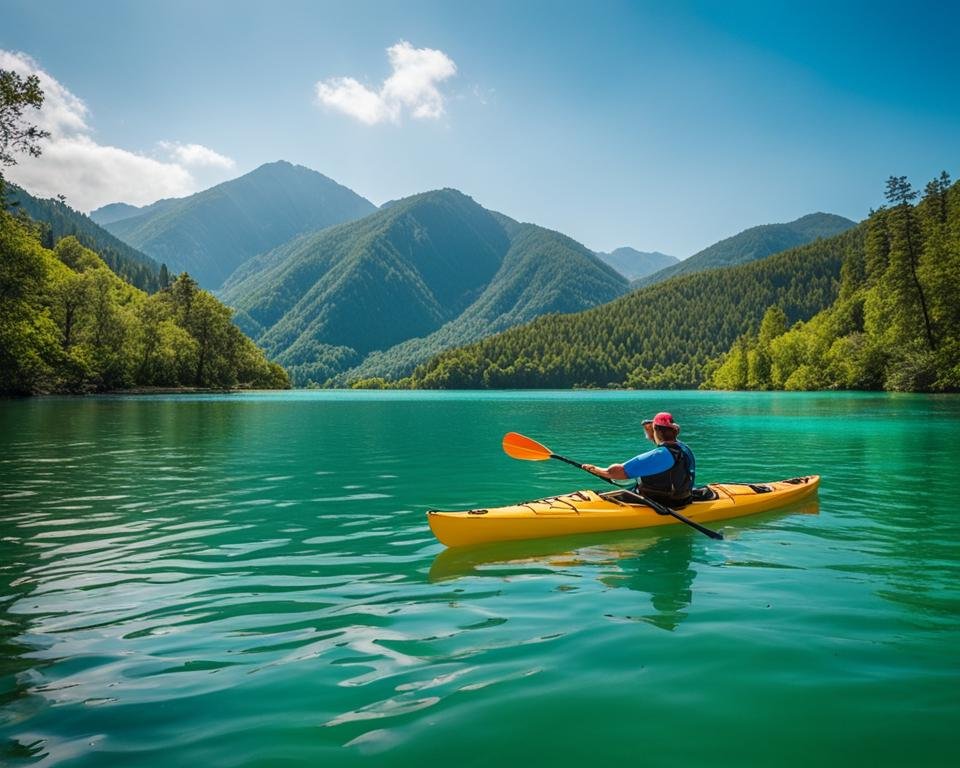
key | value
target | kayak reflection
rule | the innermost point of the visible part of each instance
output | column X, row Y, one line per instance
column 658, row 563
column 655, row 563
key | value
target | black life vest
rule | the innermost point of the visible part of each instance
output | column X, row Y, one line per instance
column 672, row 485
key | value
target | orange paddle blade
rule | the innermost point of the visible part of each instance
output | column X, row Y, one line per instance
column 519, row 447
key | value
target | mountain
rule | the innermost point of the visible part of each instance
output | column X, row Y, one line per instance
column 211, row 233
column 113, row 212
column 633, row 264
column 754, row 243
column 59, row 220
column 426, row 272
column 653, row 338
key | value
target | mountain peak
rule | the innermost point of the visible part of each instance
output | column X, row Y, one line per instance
column 634, row 264
column 210, row 233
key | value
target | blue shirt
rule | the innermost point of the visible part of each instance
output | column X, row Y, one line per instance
column 657, row 460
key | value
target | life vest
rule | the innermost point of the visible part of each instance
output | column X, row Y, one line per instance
column 671, row 485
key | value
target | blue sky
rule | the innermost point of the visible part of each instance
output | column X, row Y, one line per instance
column 663, row 126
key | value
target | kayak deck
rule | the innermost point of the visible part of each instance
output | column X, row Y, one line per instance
column 591, row 512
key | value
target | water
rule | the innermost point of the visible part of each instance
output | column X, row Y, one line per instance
column 249, row 581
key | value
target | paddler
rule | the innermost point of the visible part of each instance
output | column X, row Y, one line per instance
column 665, row 473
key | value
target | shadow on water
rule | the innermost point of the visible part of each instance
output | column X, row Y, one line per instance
column 655, row 562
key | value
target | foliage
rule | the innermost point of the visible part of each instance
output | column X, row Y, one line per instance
column 753, row 244
column 69, row 324
column 58, row 220
column 16, row 134
column 213, row 232
column 896, row 322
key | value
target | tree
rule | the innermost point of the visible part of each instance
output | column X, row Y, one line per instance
column 29, row 343
column 16, row 134
column 902, row 274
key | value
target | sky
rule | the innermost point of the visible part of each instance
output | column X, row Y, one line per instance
column 664, row 126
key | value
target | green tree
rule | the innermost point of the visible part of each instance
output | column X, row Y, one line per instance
column 902, row 277
column 16, row 134
column 29, row 338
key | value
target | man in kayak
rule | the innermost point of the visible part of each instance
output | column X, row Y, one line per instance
column 666, row 473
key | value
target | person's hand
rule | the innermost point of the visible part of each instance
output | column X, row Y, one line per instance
column 591, row 469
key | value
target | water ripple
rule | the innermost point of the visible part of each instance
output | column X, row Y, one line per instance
column 170, row 557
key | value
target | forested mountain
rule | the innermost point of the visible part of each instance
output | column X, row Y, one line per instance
column 896, row 323
column 754, row 243
column 658, row 338
column 431, row 270
column 69, row 324
column 633, row 264
column 213, row 232
column 59, row 220
column 542, row 271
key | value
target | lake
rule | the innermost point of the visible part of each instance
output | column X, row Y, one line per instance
column 249, row 580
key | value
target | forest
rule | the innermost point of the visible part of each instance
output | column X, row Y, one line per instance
column 57, row 220
column 875, row 307
column 659, row 337
column 69, row 324
column 896, row 322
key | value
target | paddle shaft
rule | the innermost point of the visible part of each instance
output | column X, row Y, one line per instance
column 654, row 505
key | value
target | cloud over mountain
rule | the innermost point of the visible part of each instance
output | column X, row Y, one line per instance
column 90, row 174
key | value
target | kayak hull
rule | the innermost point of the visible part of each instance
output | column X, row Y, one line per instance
column 592, row 512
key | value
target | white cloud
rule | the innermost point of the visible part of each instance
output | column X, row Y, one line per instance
column 90, row 174
column 196, row 155
column 413, row 85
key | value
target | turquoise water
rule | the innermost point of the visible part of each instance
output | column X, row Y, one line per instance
column 249, row 580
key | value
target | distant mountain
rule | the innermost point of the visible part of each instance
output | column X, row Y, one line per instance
column 60, row 220
column 633, row 264
column 427, row 272
column 754, row 243
column 213, row 232
column 113, row 212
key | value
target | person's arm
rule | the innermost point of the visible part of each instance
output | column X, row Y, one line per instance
column 613, row 472
column 652, row 462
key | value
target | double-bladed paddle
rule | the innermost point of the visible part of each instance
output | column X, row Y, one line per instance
column 519, row 446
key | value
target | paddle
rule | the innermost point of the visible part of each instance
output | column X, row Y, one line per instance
column 518, row 446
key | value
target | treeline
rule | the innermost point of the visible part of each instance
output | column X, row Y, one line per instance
column 69, row 324
column 896, row 323
column 57, row 220
column 659, row 337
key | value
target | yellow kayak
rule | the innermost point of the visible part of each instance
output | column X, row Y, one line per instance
column 592, row 512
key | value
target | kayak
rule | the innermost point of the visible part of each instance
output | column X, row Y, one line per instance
column 592, row 512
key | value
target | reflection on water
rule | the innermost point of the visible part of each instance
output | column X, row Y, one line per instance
column 655, row 562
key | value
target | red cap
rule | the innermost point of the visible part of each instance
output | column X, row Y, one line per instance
column 664, row 419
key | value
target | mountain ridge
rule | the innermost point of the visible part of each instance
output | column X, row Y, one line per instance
column 650, row 338
column 61, row 221
column 754, row 243
column 210, row 233
column 325, row 302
